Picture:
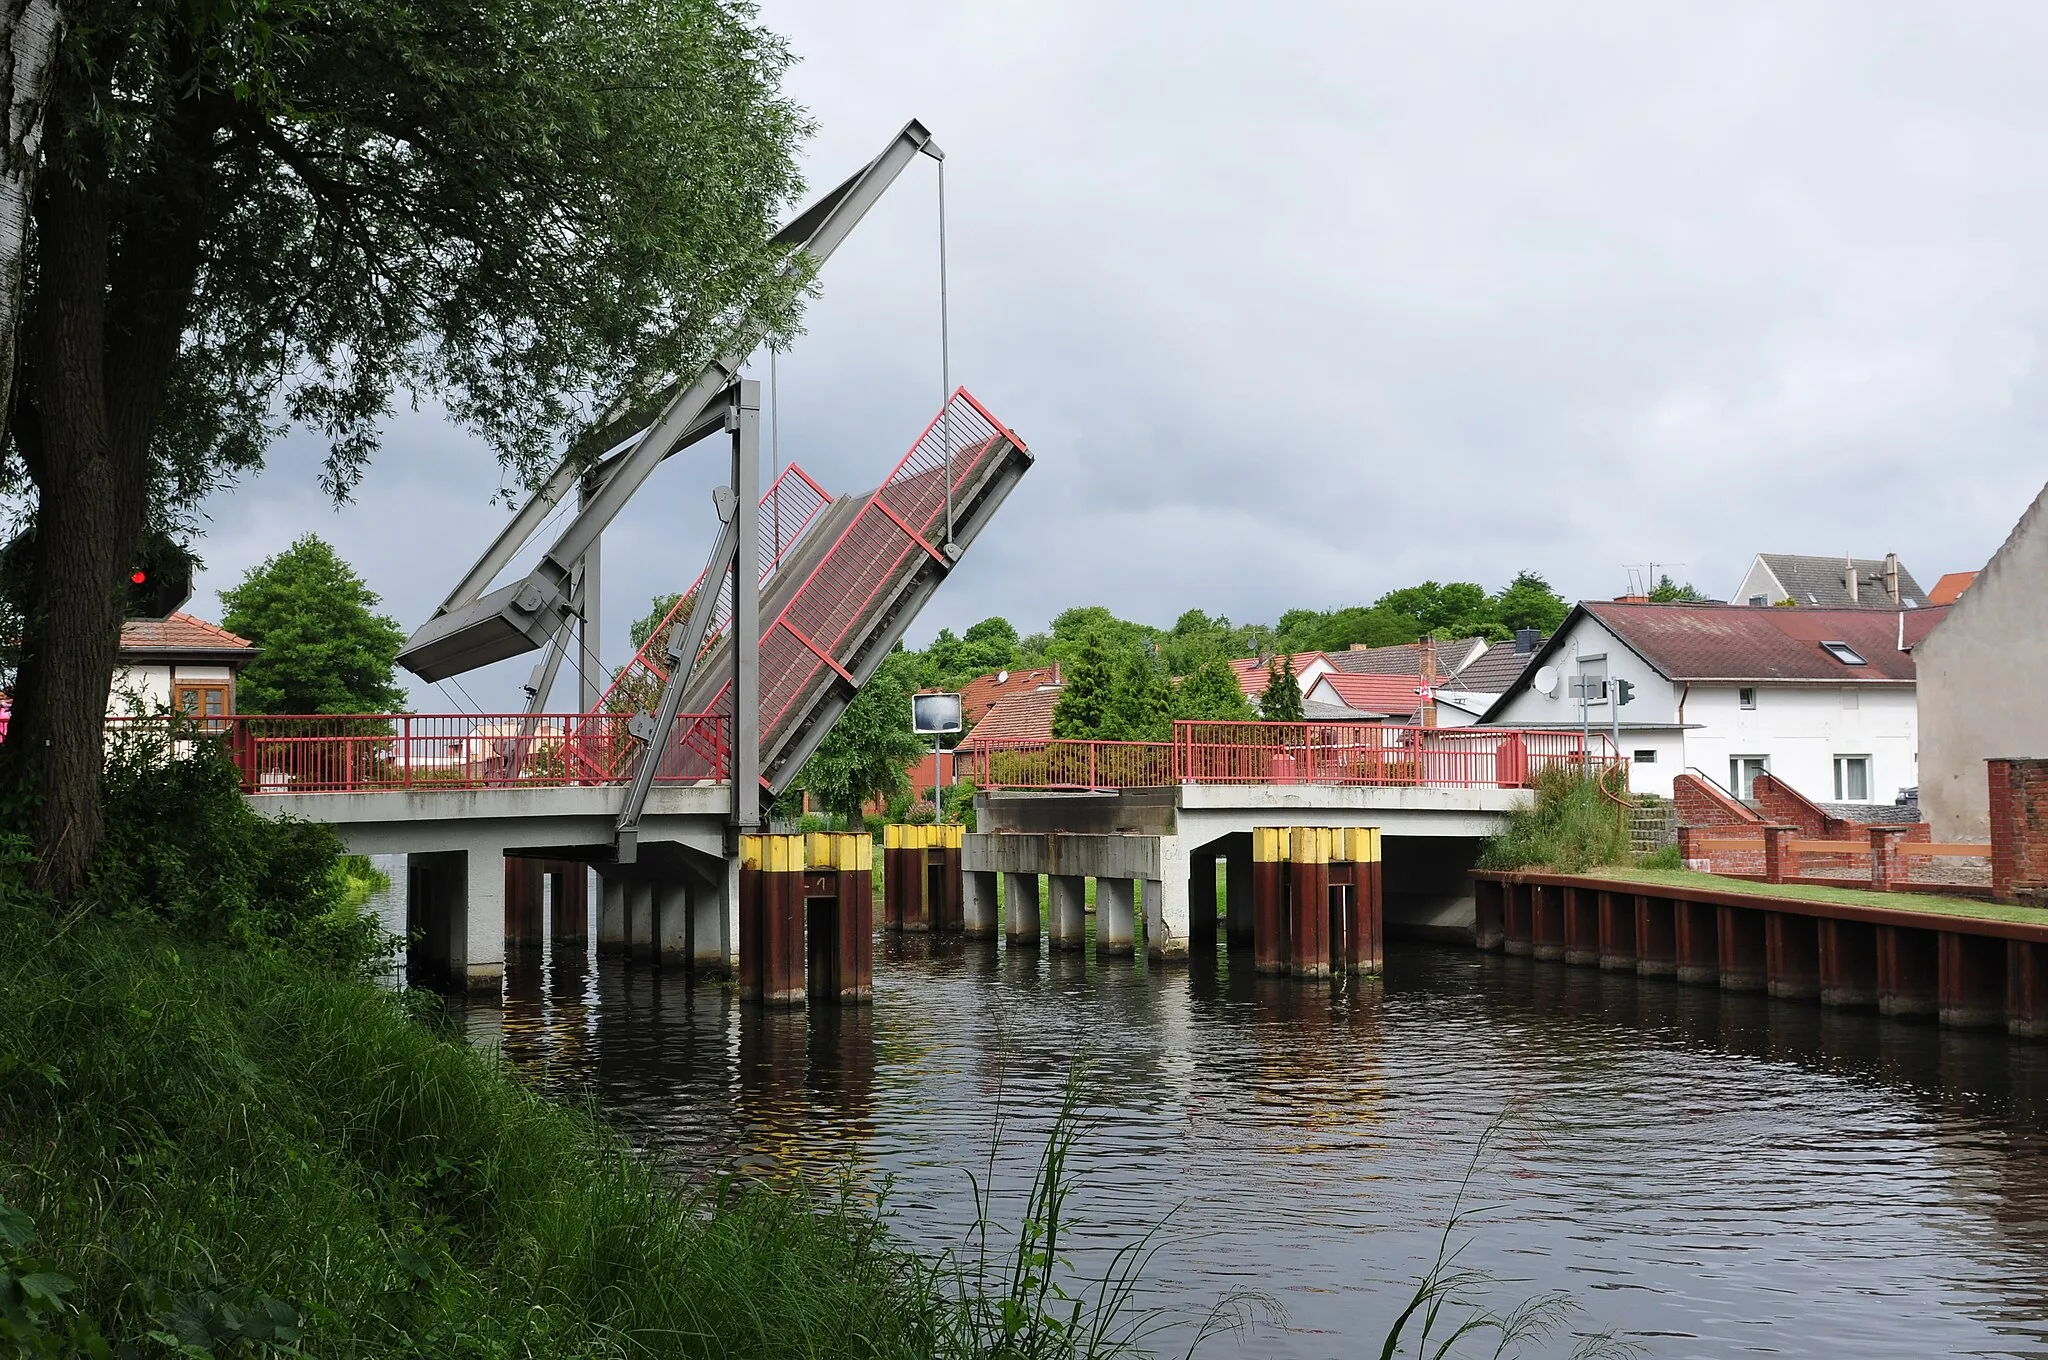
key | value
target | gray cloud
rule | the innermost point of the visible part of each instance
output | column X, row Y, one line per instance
column 1297, row 303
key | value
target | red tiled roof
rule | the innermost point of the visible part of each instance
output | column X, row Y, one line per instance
column 979, row 695
column 1389, row 694
column 1744, row 642
column 1023, row 716
column 1950, row 587
column 1251, row 672
column 180, row 633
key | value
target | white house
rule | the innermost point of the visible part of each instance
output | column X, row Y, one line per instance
column 180, row 661
column 1821, row 698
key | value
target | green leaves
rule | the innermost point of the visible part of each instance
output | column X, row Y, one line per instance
column 35, row 1320
column 324, row 651
column 865, row 754
column 1280, row 701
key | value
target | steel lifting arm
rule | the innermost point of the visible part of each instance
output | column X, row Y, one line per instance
column 474, row 629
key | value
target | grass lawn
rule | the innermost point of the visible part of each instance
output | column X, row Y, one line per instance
column 1919, row 902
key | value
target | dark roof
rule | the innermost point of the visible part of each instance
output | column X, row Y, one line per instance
column 182, row 635
column 1493, row 673
column 1736, row 643
column 1819, row 582
column 1403, row 658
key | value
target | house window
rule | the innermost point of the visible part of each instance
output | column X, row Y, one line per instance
column 1842, row 652
column 1758, row 602
column 1742, row 773
column 201, row 701
column 1746, row 697
column 1648, row 757
column 1852, row 779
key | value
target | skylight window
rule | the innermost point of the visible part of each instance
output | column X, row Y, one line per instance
column 1842, row 652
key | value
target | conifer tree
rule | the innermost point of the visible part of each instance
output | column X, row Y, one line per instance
column 1281, row 700
column 1084, row 703
column 1211, row 694
column 1140, row 702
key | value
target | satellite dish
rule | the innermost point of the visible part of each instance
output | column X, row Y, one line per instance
column 1545, row 681
column 1002, row 677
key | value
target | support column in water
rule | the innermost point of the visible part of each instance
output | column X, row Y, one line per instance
column 1116, row 918
column 1238, row 898
column 1020, row 909
column 1269, row 898
column 978, row 904
column 640, row 930
column 1068, row 929
column 672, row 909
column 1308, row 896
column 611, row 916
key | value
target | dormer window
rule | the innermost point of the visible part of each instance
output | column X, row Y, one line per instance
column 1842, row 652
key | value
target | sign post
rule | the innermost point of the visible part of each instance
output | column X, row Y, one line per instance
column 935, row 715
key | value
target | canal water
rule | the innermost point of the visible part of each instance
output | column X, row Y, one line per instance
column 1703, row 1174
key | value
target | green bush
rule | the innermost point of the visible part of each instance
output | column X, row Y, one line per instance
column 1572, row 826
column 1664, row 857
column 183, row 846
column 959, row 804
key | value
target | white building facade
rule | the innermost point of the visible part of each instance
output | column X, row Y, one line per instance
column 1822, row 699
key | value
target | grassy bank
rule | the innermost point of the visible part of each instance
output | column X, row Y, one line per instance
column 1571, row 826
column 1931, row 903
column 224, row 1148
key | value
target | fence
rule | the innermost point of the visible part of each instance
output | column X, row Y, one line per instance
column 365, row 753
column 1370, row 754
column 1884, row 855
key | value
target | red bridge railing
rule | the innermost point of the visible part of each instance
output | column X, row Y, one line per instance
column 373, row 752
column 1370, row 754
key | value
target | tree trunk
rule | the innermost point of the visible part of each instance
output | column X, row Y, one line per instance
column 108, row 321
column 90, row 507
column 29, row 30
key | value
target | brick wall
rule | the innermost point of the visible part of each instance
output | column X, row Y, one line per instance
column 1700, row 803
column 1741, row 862
column 1781, row 803
column 2019, row 825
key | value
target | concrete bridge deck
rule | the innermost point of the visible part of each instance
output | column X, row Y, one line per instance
column 1170, row 840
column 460, row 795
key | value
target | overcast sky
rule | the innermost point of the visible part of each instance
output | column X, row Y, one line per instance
column 1296, row 303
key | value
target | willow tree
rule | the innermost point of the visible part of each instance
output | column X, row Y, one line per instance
column 259, row 212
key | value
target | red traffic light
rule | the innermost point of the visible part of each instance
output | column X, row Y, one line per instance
column 139, row 577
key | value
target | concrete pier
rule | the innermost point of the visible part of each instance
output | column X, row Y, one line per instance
column 1116, row 918
column 1067, row 931
column 979, row 905
column 455, row 910
column 1020, row 909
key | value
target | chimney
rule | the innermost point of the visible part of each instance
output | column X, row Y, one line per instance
column 1849, row 576
column 1891, row 576
column 1527, row 640
column 1426, row 663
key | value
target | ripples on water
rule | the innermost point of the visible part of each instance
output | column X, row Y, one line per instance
column 1713, row 1175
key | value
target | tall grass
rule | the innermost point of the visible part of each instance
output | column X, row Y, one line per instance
column 1572, row 826
column 203, row 1137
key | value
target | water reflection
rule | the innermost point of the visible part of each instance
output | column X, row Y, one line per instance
column 1714, row 1173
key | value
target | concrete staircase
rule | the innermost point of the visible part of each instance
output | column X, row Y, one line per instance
column 1652, row 826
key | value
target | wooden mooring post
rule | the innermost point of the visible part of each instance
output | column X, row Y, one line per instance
column 1318, row 906
column 806, row 919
